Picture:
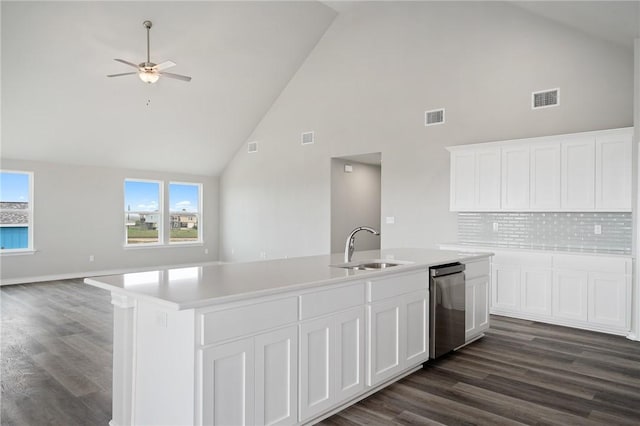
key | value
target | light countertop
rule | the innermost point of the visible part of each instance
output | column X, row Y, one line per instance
column 199, row 286
column 536, row 249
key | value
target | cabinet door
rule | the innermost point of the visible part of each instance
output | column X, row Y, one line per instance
column 276, row 368
column 613, row 172
column 384, row 332
column 515, row 178
column 578, row 174
column 462, row 194
column 609, row 299
column 350, row 360
column 476, row 306
column 545, row 177
column 228, row 384
column 505, row 287
column 316, row 367
column 487, row 179
column 535, row 291
column 416, row 321
column 570, row 295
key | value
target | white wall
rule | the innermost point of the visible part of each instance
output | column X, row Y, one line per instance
column 365, row 88
column 79, row 211
column 355, row 201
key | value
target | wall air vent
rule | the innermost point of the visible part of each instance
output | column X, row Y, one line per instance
column 545, row 98
column 307, row 138
column 252, row 147
column 433, row 117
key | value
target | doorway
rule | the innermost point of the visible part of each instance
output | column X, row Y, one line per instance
column 355, row 199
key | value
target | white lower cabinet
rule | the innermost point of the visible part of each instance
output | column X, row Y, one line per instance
column 570, row 294
column 608, row 296
column 228, row 387
column 476, row 306
column 331, row 361
column 398, row 335
column 535, row 291
column 505, row 285
column 251, row 381
column 276, row 387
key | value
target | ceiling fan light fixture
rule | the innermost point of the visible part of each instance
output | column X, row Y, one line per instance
column 148, row 76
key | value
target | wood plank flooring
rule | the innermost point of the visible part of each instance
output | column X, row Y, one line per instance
column 56, row 370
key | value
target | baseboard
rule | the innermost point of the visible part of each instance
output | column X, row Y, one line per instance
column 75, row 275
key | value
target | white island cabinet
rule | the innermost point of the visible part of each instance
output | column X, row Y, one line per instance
column 283, row 342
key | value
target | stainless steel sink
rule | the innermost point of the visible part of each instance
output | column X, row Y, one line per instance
column 371, row 265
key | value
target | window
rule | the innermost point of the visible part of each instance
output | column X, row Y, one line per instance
column 143, row 212
column 184, row 208
column 16, row 211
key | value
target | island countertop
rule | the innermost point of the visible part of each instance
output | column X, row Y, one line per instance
column 211, row 284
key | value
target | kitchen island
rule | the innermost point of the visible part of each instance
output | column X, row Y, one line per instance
column 286, row 341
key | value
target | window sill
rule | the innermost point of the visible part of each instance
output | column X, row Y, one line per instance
column 162, row 246
column 21, row 252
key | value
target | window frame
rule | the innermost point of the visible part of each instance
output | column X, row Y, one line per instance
column 30, row 212
column 160, row 213
column 198, row 213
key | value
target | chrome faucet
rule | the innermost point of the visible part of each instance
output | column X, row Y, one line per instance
column 349, row 246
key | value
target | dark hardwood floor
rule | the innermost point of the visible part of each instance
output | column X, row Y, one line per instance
column 56, row 370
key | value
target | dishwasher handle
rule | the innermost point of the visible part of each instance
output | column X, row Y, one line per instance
column 442, row 270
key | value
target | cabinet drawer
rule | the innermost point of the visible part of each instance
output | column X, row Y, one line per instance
column 615, row 265
column 533, row 260
column 395, row 285
column 246, row 320
column 333, row 300
column 476, row 269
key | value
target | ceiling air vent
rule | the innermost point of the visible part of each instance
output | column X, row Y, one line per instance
column 252, row 147
column 545, row 98
column 307, row 138
column 434, row 117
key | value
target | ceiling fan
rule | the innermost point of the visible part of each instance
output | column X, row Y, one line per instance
column 148, row 71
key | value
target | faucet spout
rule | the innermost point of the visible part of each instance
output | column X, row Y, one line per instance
column 349, row 246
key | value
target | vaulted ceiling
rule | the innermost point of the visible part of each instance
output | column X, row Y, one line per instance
column 59, row 106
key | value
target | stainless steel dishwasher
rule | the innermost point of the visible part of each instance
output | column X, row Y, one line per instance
column 446, row 308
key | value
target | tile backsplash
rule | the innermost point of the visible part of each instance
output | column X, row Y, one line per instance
column 552, row 231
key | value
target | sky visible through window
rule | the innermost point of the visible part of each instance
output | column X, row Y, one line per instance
column 141, row 196
column 183, row 197
column 14, row 187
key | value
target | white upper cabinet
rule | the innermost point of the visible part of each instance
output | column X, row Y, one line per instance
column 475, row 180
column 613, row 172
column 545, row 177
column 488, row 179
column 578, row 172
column 463, row 180
column 515, row 177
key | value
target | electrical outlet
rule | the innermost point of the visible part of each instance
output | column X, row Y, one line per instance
column 263, row 255
column 597, row 229
column 206, row 251
column 390, row 220
column 495, row 226
column 91, row 258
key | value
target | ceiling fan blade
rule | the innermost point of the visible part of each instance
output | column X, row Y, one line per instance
column 127, row 63
column 123, row 73
column 164, row 65
column 176, row 76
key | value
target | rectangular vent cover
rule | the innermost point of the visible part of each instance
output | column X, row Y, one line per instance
column 252, row 147
column 545, row 98
column 434, row 117
column 307, row 138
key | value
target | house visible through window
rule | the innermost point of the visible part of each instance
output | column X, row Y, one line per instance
column 143, row 212
column 16, row 211
column 184, row 208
